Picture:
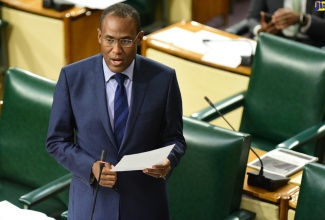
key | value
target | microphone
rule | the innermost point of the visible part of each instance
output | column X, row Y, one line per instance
column 260, row 179
column 101, row 166
column 245, row 60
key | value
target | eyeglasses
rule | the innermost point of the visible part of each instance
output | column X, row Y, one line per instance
column 123, row 42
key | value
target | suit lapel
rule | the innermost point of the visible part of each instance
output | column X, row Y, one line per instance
column 139, row 88
column 97, row 84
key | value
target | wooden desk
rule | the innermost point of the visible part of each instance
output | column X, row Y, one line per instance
column 43, row 40
column 294, row 200
column 293, row 205
column 281, row 197
column 197, row 78
column 151, row 42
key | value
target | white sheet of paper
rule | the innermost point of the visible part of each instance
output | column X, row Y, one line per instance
column 229, row 52
column 225, row 58
column 168, row 36
column 9, row 211
column 143, row 160
column 97, row 4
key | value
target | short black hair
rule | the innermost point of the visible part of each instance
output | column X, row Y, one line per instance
column 124, row 11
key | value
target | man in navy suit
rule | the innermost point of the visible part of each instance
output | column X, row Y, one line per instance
column 294, row 19
column 82, row 124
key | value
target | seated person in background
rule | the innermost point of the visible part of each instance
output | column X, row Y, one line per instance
column 294, row 19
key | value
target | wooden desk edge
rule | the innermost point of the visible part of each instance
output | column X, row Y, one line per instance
column 36, row 7
column 284, row 197
column 275, row 197
column 195, row 57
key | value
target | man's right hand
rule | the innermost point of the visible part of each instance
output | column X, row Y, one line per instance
column 268, row 27
column 108, row 178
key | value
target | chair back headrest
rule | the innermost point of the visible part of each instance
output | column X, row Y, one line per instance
column 209, row 179
column 24, row 122
column 286, row 92
column 311, row 197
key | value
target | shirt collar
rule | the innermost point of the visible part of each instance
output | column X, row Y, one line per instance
column 108, row 73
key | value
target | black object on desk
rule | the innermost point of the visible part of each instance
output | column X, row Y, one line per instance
column 58, row 5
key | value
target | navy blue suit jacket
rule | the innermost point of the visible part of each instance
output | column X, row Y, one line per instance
column 80, row 128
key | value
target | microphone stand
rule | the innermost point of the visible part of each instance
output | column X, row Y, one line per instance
column 101, row 166
column 219, row 113
column 266, row 181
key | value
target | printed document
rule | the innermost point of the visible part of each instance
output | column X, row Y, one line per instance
column 282, row 161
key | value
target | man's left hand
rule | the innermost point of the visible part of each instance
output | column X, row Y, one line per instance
column 159, row 171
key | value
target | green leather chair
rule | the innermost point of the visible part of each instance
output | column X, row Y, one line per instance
column 284, row 105
column 24, row 163
column 208, row 183
column 311, row 197
column 153, row 13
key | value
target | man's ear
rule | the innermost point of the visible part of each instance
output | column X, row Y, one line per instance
column 140, row 38
column 99, row 35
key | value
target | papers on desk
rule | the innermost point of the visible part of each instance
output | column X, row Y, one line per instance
column 183, row 39
column 9, row 211
column 143, row 160
column 282, row 161
column 219, row 50
column 97, row 4
column 228, row 52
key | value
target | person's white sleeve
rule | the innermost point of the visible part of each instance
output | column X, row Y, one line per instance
column 256, row 28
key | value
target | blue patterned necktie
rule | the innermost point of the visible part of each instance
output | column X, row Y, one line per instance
column 121, row 110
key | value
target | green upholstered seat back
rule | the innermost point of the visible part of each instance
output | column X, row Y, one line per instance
column 146, row 9
column 153, row 13
column 208, row 182
column 286, row 92
column 311, row 197
column 24, row 163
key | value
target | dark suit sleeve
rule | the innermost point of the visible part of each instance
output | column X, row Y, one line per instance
column 173, row 122
column 315, row 31
column 253, row 15
column 317, row 24
column 60, row 139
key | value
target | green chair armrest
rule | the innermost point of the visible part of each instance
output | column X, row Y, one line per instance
column 240, row 28
column 224, row 106
column 303, row 137
column 45, row 191
column 241, row 214
column 64, row 215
